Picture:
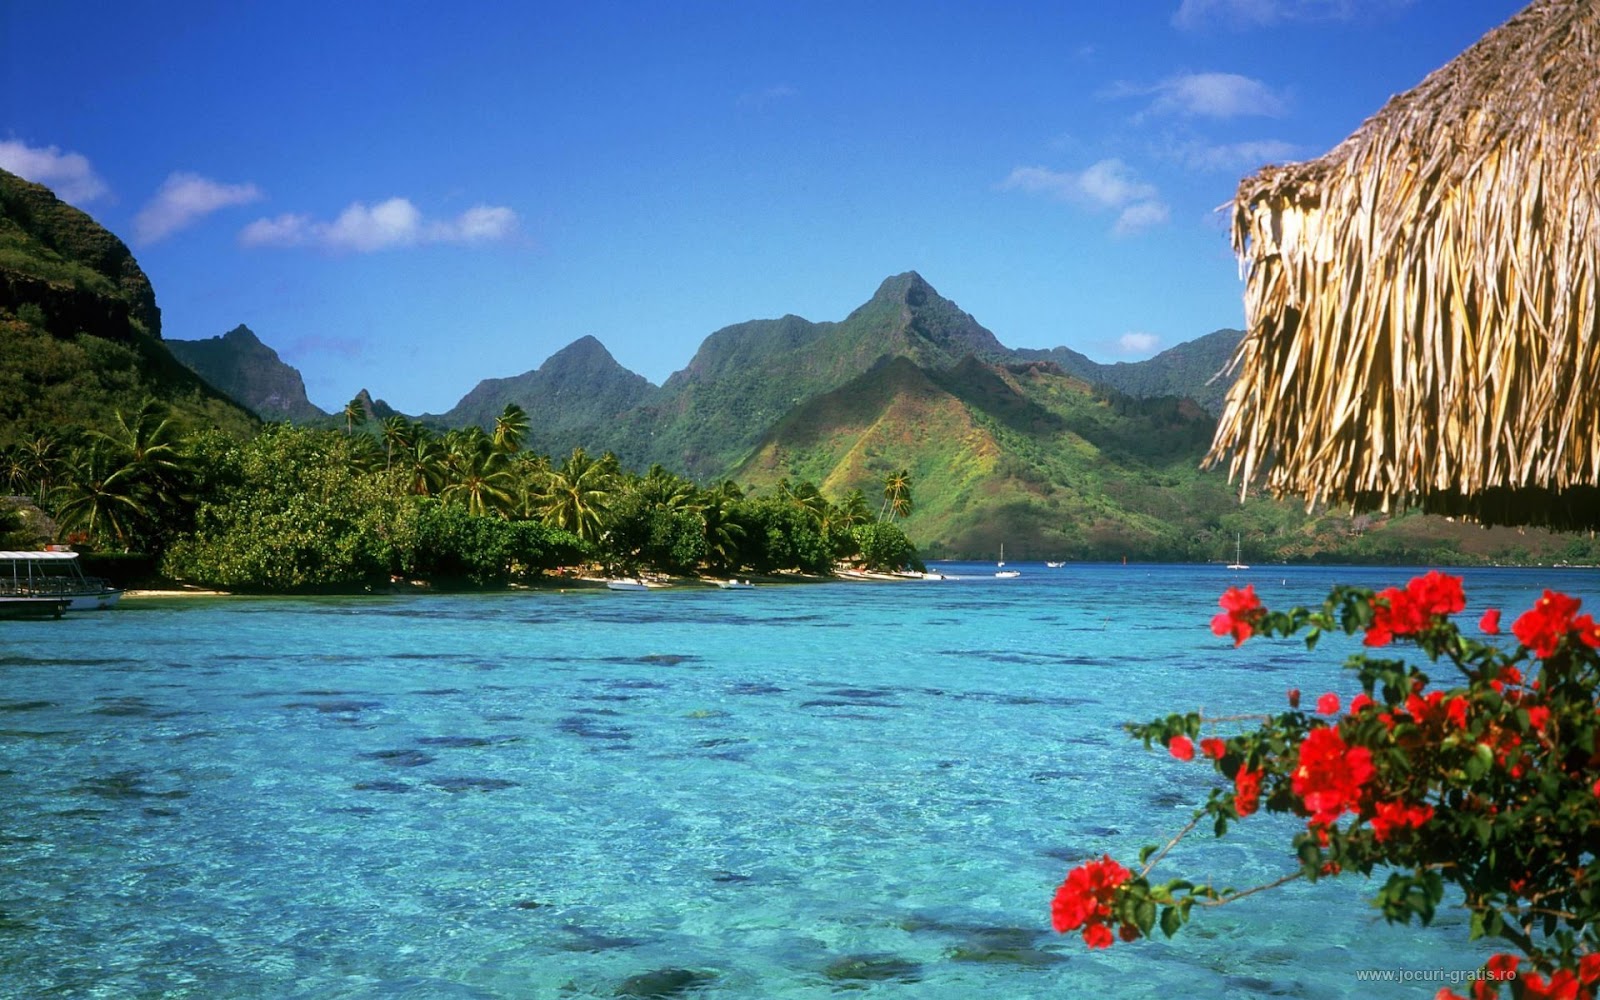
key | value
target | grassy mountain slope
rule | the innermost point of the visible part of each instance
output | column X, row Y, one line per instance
column 1188, row 369
column 746, row 377
column 1027, row 455
column 80, row 333
column 574, row 398
column 242, row 366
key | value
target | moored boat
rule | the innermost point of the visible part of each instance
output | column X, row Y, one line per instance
column 626, row 584
column 52, row 576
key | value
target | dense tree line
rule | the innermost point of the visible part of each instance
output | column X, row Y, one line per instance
column 294, row 508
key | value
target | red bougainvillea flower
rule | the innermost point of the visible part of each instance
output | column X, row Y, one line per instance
column 1328, row 704
column 1330, row 775
column 1589, row 968
column 1181, row 748
column 1588, row 631
column 1542, row 627
column 1508, row 675
column 1246, row 791
column 1456, row 711
column 1294, row 697
column 1490, row 622
column 1084, row 900
column 1360, row 701
column 1241, row 610
column 1394, row 612
column 1562, row 985
column 1437, row 594
column 1538, row 717
column 1213, row 747
column 1392, row 817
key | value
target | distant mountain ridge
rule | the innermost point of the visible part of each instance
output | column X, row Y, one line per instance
column 80, row 331
column 743, row 379
column 579, row 390
column 1192, row 369
column 242, row 366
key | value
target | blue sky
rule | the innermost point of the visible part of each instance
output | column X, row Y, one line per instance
column 409, row 198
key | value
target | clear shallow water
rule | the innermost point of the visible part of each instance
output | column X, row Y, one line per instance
column 543, row 794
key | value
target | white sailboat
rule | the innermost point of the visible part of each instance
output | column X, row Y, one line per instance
column 1238, row 549
column 1000, row 567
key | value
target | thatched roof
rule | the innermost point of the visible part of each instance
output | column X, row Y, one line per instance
column 1423, row 302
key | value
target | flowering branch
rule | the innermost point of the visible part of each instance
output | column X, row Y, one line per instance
column 1492, row 786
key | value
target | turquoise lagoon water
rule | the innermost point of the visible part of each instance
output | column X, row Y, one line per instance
column 543, row 794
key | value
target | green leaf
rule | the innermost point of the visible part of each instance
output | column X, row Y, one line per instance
column 1171, row 920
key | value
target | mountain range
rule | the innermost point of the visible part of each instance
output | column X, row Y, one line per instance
column 80, row 332
column 1044, row 451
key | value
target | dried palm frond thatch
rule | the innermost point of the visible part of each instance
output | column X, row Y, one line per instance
column 1422, row 301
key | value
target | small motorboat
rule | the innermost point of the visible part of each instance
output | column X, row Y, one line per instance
column 626, row 584
column 735, row 584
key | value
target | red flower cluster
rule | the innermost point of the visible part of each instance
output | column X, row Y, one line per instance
column 1246, row 791
column 1084, row 900
column 1407, row 612
column 1542, row 627
column 1331, row 775
column 1392, row 817
column 1241, row 610
column 1181, row 748
column 1563, row 984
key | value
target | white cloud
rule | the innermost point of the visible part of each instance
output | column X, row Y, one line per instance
column 1194, row 14
column 1108, row 184
column 183, row 199
column 282, row 231
column 1137, row 343
column 1140, row 216
column 69, row 175
column 1207, row 95
column 388, row 224
column 478, row 224
column 1238, row 155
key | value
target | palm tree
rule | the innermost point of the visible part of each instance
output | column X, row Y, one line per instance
column 576, row 495
column 355, row 414
column 147, row 445
column 510, row 427
column 100, row 497
column 852, row 510
column 42, row 456
column 397, row 435
column 423, row 463
column 896, row 495
column 723, row 532
column 14, row 467
column 479, row 474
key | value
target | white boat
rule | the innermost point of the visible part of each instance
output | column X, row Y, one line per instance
column 1000, row 571
column 1238, row 549
column 735, row 584
column 626, row 584
column 36, row 580
column 1054, row 565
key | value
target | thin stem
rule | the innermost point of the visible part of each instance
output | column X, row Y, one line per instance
column 1169, row 845
column 1252, row 891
